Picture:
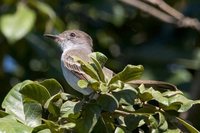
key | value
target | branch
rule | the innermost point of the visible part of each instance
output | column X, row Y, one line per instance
column 165, row 13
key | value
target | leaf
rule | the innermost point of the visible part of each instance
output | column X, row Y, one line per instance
column 90, row 116
column 94, row 84
column 33, row 113
column 41, row 129
column 184, row 102
column 129, row 73
column 146, row 111
column 158, row 122
column 16, row 26
column 104, row 125
column 151, row 94
column 87, row 68
column 171, row 93
column 98, row 69
column 134, row 121
column 187, row 125
column 180, row 103
column 10, row 125
column 116, row 85
column 99, row 60
column 36, row 92
column 53, row 104
column 153, row 122
column 163, row 125
column 54, row 127
column 173, row 131
column 52, row 86
column 83, row 84
column 126, row 96
column 70, row 107
column 103, row 87
column 108, row 102
column 13, row 102
column 68, row 125
column 119, row 130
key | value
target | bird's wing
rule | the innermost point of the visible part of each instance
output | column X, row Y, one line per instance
column 74, row 66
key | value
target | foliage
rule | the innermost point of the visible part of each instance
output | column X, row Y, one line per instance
column 114, row 106
column 125, row 34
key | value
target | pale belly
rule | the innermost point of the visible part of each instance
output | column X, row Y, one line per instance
column 72, row 81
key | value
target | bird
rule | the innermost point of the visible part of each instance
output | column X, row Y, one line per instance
column 78, row 43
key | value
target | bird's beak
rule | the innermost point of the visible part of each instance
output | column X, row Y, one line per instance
column 53, row 37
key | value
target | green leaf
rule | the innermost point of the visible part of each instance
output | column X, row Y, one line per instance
column 158, row 122
column 33, row 113
column 183, row 101
column 146, row 111
column 13, row 102
column 52, row 86
column 116, row 85
column 179, row 103
column 173, row 131
column 108, row 102
column 54, row 127
column 169, row 93
column 104, row 125
column 188, row 126
column 90, row 116
column 126, row 96
column 163, row 125
column 99, row 60
column 36, row 92
column 53, row 104
column 98, row 69
column 103, row 87
column 119, row 130
column 10, row 125
column 83, row 84
column 16, row 26
column 129, row 73
column 87, row 68
column 153, row 122
column 134, row 121
column 70, row 107
column 68, row 125
column 94, row 84
column 41, row 129
column 151, row 94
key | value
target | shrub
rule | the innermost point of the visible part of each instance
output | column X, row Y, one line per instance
column 116, row 105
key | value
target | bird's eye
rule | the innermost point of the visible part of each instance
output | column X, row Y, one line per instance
column 72, row 34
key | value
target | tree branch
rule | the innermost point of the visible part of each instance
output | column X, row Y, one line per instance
column 165, row 13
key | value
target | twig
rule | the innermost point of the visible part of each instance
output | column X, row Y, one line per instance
column 123, row 113
column 166, row 13
column 151, row 10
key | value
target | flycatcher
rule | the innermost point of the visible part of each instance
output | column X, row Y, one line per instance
column 78, row 43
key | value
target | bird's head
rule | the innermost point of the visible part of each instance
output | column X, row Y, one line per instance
column 72, row 39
